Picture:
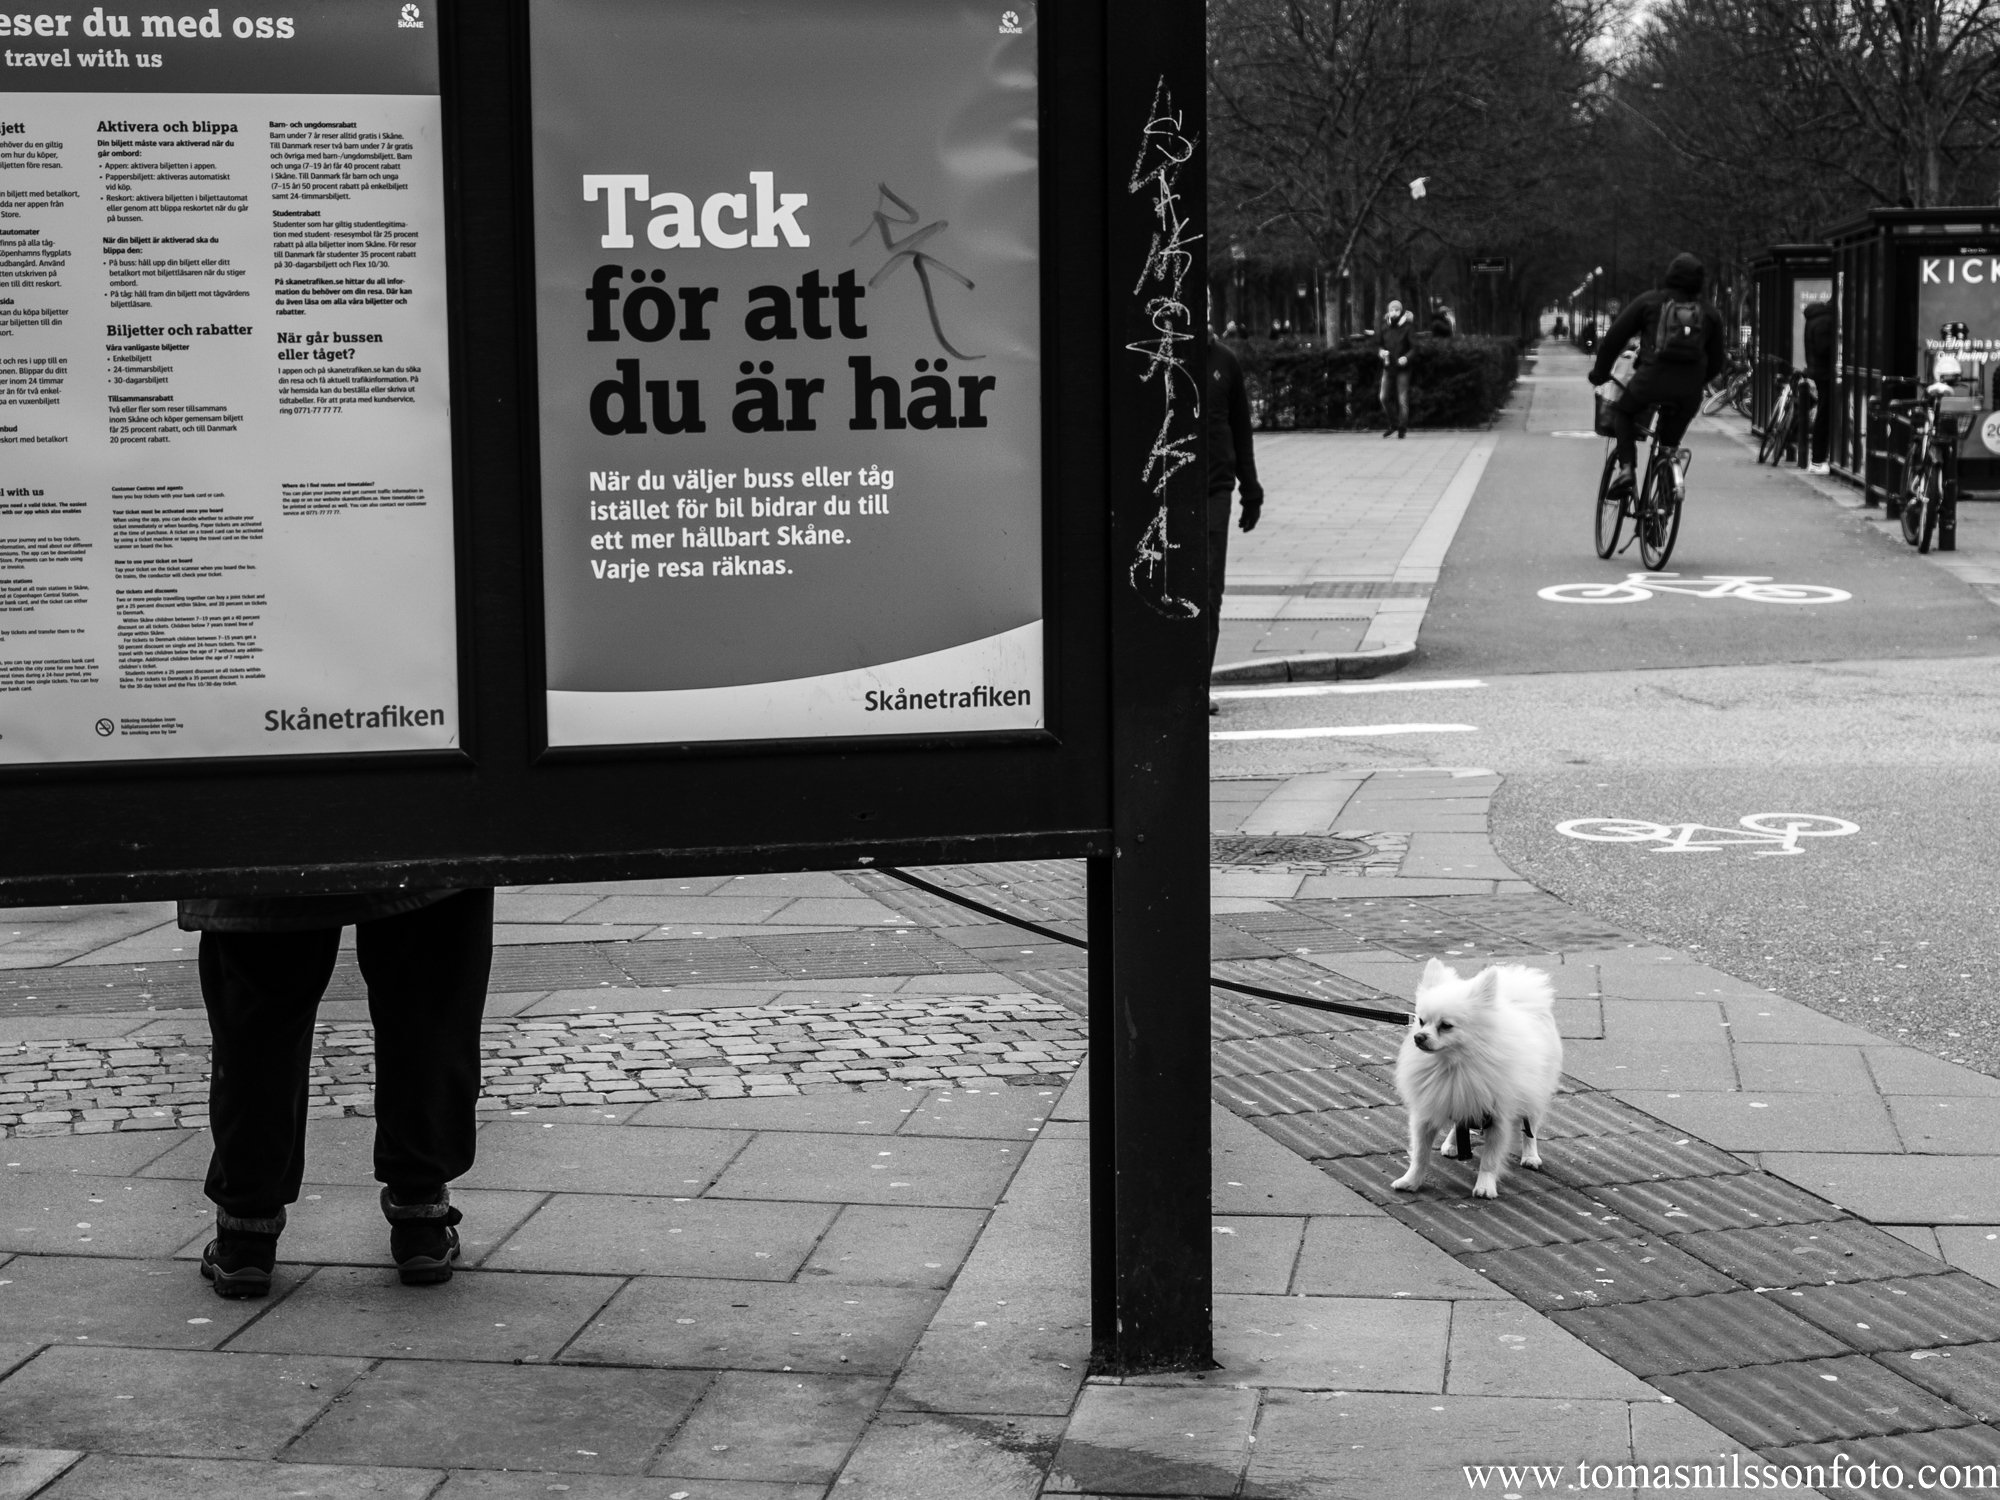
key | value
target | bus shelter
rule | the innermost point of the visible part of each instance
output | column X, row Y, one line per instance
column 1909, row 285
column 597, row 439
column 1785, row 281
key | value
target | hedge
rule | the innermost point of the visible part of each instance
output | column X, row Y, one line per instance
column 1458, row 382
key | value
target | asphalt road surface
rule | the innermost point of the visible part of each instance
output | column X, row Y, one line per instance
column 1881, row 711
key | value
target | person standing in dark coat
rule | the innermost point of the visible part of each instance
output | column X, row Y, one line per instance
column 1231, row 464
column 1673, row 367
column 1397, row 344
column 1819, row 342
column 264, row 963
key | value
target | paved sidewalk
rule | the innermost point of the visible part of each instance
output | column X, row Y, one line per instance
column 1353, row 534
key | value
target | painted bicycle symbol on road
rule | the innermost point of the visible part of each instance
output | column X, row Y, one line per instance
column 1760, row 830
column 1636, row 586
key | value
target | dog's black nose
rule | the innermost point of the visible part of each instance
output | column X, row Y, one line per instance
column 1424, row 1043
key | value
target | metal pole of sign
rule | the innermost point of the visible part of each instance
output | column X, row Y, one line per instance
column 1149, row 1190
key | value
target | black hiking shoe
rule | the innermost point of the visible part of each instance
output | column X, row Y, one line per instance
column 238, row 1262
column 423, row 1239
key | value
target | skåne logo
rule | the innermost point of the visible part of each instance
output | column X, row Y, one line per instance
column 412, row 19
column 1010, row 23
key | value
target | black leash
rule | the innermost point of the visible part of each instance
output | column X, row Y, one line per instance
column 1335, row 1007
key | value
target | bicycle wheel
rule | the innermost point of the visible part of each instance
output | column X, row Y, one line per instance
column 1774, row 430
column 1805, row 825
column 1912, row 513
column 1715, row 400
column 1739, row 397
column 1659, row 520
column 1610, row 509
column 1933, row 504
column 1614, row 830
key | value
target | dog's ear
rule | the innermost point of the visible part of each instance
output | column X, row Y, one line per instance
column 1485, row 989
column 1437, row 973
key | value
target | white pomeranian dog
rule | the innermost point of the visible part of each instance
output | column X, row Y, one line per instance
column 1482, row 1052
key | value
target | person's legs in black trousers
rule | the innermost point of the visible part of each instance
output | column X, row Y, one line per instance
column 1218, row 564
column 427, row 973
column 262, row 990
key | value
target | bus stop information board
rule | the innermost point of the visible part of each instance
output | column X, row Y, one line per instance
column 225, row 459
column 788, row 324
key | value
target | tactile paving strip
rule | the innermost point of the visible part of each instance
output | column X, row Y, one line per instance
column 1747, row 1332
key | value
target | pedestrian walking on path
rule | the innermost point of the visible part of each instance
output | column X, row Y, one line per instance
column 264, row 965
column 1397, row 342
column 1231, row 464
column 1680, row 352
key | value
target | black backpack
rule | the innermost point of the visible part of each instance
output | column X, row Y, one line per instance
column 1680, row 338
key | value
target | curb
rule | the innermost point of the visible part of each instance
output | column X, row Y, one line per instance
column 1319, row 666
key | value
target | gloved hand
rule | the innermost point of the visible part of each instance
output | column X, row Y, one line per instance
column 1252, row 509
column 1404, row 360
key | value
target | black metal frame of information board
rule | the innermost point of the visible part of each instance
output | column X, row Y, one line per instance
column 1119, row 779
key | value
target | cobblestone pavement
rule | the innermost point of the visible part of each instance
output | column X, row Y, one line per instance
column 158, row 1080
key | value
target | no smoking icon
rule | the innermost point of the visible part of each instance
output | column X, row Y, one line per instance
column 105, row 727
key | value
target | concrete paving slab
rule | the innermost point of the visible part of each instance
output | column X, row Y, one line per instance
column 1461, row 856
column 1897, row 1189
column 1339, row 887
column 797, row 885
column 653, row 910
column 605, row 1234
column 1155, row 1440
column 986, row 1111
column 1343, row 1445
column 1677, row 1021
column 874, row 1109
column 107, row 1476
column 613, row 999
column 1377, row 1257
column 1252, row 1174
column 64, row 1213
column 561, row 1114
column 876, row 1245
column 1644, row 973
column 168, row 1401
column 542, row 1156
column 1505, row 1349
column 1770, row 1018
column 474, row 1484
column 368, row 1312
column 23, row 1471
column 540, row 905
column 1973, row 1248
column 800, row 1168
column 511, row 934
column 1252, row 1254
column 1774, row 1122
column 698, row 885
column 14, row 1030
column 1355, row 1343
column 97, row 1155
column 849, row 910
column 919, row 1456
column 439, row 1414
column 1580, row 1018
column 1261, row 885
column 962, row 984
column 1787, row 1067
column 1650, row 1065
column 333, row 1224
column 753, row 1424
column 688, row 1322
column 149, row 1304
column 1013, row 1335
column 1905, row 1070
column 1951, row 1126
column 337, row 1151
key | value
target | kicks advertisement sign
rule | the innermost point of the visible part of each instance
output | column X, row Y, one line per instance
column 788, row 313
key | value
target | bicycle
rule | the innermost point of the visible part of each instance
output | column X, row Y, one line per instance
column 1733, row 392
column 1654, row 507
column 1921, row 496
column 1795, row 394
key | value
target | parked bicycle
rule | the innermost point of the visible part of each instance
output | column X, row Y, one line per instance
column 1654, row 506
column 1790, row 427
column 1734, row 391
column 1926, row 488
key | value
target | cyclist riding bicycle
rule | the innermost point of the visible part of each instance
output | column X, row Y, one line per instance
column 1680, row 352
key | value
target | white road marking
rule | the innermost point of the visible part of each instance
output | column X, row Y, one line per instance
column 1319, row 689
column 1637, row 586
column 1782, row 829
column 1360, row 731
